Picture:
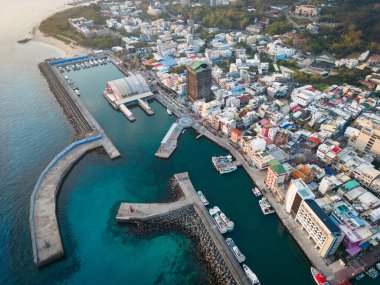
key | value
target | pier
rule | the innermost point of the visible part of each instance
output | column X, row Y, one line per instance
column 169, row 142
column 189, row 215
column 45, row 235
column 127, row 112
column 46, row 239
column 144, row 105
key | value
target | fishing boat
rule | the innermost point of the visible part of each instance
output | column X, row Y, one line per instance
column 360, row 276
column 257, row 192
column 251, row 276
column 230, row 224
column 236, row 251
column 221, row 225
column 169, row 111
column 265, row 206
column 215, row 214
column 318, row 277
column 372, row 272
column 202, row 198
column 228, row 169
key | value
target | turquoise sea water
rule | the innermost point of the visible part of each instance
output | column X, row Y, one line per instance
column 33, row 129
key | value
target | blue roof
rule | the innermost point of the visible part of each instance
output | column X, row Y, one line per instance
column 329, row 171
column 168, row 60
column 322, row 216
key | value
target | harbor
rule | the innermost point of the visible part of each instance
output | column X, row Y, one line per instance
column 114, row 130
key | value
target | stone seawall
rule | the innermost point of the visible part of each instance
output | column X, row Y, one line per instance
column 188, row 222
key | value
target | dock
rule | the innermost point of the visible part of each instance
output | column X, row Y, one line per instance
column 169, row 142
column 127, row 112
column 46, row 240
column 145, row 106
column 189, row 200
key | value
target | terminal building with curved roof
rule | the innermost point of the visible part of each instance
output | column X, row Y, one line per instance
column 127, row 87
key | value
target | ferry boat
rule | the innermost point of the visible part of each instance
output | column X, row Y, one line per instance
column 221, row 225
column 372, row 272
column 230, row 224
column 257, row 192
column 202, row 198
column 251, row 276
column 214, row 212
column 218, row 160
column 360, row 276
column 265, row 206
column 169, row 111
column 239, row 256
column 225, row 170
column 318, row 277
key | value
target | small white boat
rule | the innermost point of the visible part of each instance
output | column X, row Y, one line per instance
column 202, row 198
column 236, row 251
column 230, row 224
column 169, row 111
column 257, row 192
column 251, row 276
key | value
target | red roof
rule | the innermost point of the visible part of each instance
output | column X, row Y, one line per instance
column 314, row 140
column 268, row 140
column 336, row 149
column 245, row 97
column 294, row 108
column 236, row 132
column 311, row 89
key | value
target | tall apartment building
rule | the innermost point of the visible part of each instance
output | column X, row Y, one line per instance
column 368, row 140
column 275, row 178
column 299, row 202
column 198, row 82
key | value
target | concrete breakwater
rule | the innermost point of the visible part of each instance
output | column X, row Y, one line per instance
column 187, row 222
column 191, row 219
column 71, row 110
column 46, row 240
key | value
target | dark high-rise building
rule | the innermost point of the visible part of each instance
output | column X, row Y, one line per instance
column 198, row 82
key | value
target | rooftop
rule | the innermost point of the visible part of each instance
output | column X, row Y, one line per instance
column 322, row 216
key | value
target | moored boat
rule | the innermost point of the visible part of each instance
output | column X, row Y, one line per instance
column 378, row 266
column 318, row 277
column 251, row 276
column 257, row 192
column 230, row 224
column 236, row 251
column 360, row 276
column 169, row 111
column 224, row 170
column 372, row 272
column 265, row 206
column 219, row 222
column 202, row 198
column 215, row 214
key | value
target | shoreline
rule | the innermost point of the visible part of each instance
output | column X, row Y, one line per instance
column 68, row 50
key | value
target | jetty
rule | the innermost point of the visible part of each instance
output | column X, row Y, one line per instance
column 45, row 235
column 169, row 142
column 190, row 216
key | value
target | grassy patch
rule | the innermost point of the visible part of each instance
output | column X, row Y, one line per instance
column 58, row 26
